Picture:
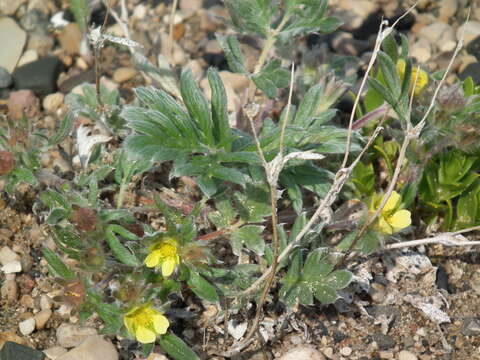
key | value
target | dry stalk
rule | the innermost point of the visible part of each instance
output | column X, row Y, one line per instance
column 411, row 133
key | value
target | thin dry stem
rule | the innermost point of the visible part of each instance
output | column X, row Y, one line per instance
column 382, row 34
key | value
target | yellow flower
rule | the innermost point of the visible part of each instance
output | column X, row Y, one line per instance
column 421, row 79
column 391, row 219
column 145, row 323
column 163, row 253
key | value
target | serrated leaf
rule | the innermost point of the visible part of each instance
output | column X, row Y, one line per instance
column 64, row 130
column 271, row 78
column 233, row 53
column 202, row 287
column 325, row 294
column 119, row 250
column 227, row 174
column 250, row 15
column 176, row 348
column 339, row 279
column 221, row 127
column 56, row 266
column 197, row 106
column 250, row 235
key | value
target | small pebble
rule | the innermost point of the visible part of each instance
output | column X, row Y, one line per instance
column 73, row 335
column 7, row 255
column 12, row 267
column 27, row 326
column 124, row 74
column 406, row 355
column 346, row 351
column 52, row 102
column 304, row 352
column 9, row 290
column 41, row 318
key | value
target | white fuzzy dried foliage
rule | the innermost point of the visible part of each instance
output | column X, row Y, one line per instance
column 275, row 166
column 430, row 307
column 97, row 38
column 86, row 142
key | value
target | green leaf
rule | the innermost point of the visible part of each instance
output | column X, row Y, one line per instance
column 197, row 105
column 390, row 47
column 227, row 174
column 202, row 287
column 339, row 279
column 119, row 250
column 56, row 266
column 66, row 126
column 233, row 53
column 317, row 266
column 250, row 235
column 250, row 15
column 176, row 348
column 271, row 78
column 390, row 75
column 325, row 294
column 221, row 127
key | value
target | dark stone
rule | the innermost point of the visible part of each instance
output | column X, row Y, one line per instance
column 369, row 26
column 98, row 14
column 473, row 47
column 471, row 327
column 472, row 70
column 442, row 279
column 207, row 4
column 405, row 24
column 216, row 60
column 84, row 77
column 321, row 329
column 14, row 351
column 40, row 76
column 5, row 78
column 384, row 342
column 338, row 336
column 35, row 20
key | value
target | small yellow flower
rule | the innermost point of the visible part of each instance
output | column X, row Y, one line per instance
column 163, row 253
column 421, row 79
column 391, row 219
column 145, row 323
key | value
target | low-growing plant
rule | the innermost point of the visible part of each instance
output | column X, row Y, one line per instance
column 244, row 182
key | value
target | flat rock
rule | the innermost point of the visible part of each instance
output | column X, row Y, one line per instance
column 303, row 352
column 384, row 342
column 9, row 290
column 407, row 355
column 12, row 45
column 10, row 7
column 14, row 351
column 472, row 30
column 472, row 70
column 69, row 335
column 12, row 267
column 55, row 352
column 39, row 76
column 7, row 255
column 93, row 348
column 471, row 327
column 23, row 103
column 28, row 57
column 27, row 326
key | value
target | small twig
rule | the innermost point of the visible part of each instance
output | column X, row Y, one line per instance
column 382, row 34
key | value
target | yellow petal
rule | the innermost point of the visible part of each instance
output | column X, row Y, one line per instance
column 401, row 64
column 393, row 202
column 129, row 324
column 144, row 335
column 168, row 266
column 422, row 81
column 400, row 220
column 384, row 226
column 160, row 323
column 152, row 259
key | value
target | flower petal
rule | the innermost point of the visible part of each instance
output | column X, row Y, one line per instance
column 160, row 323
column 384, row 226
column 168, row 266
column 393, row 202
column 144, row 335
column 400, row 220
column 152, row 259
